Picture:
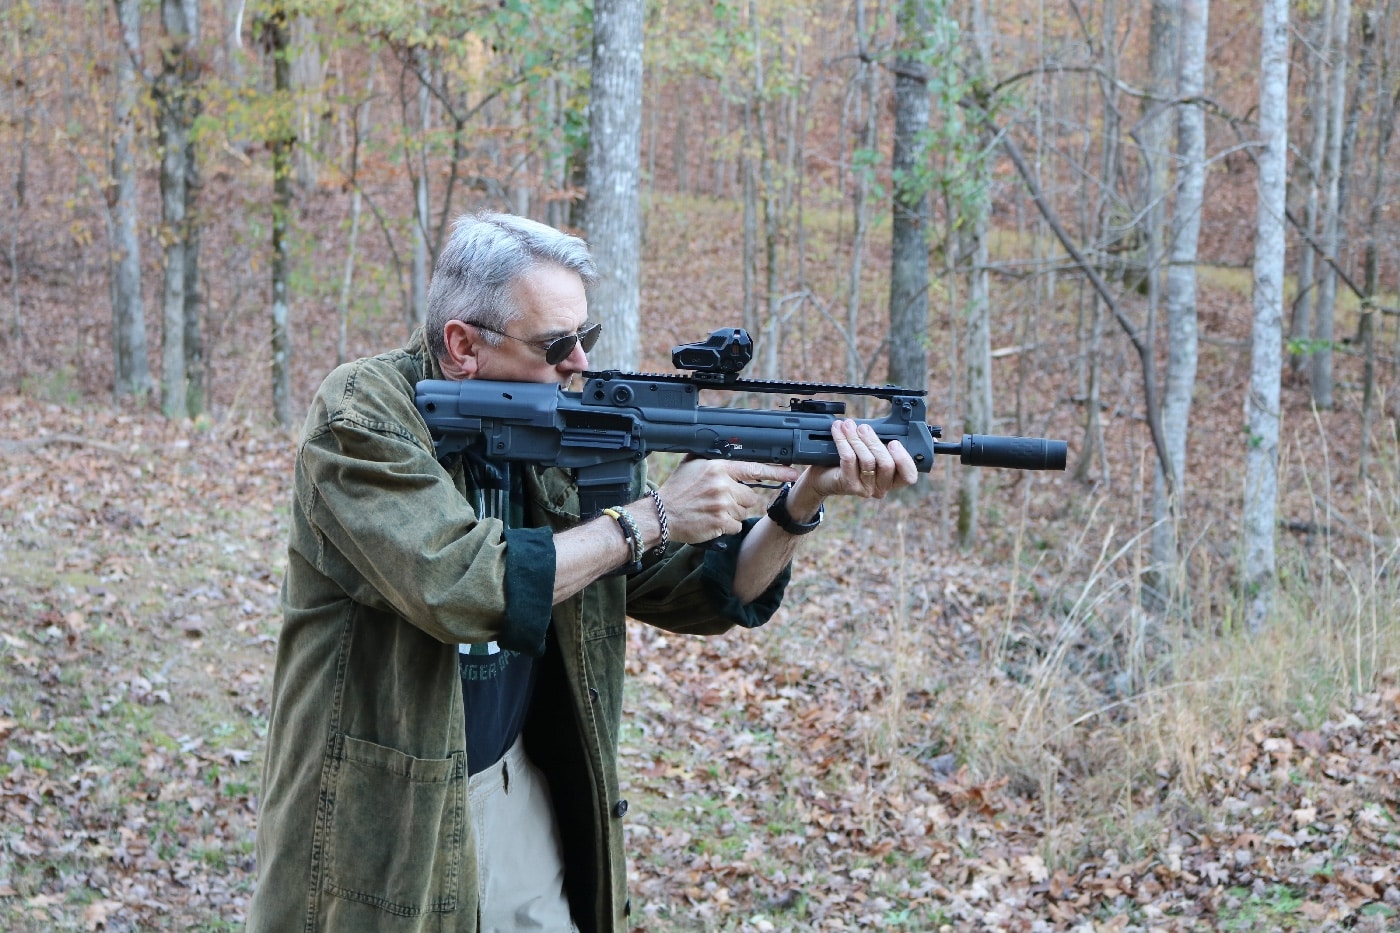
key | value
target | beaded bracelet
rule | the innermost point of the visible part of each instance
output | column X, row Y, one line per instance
column 661, row 519
column 629, row 532
column 634, row 538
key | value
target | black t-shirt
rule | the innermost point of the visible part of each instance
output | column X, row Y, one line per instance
column 496, row 689
column 496, row 684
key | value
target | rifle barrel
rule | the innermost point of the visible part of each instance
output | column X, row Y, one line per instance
column 1015, row 453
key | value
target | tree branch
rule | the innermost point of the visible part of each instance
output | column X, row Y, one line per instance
column 1142, row 345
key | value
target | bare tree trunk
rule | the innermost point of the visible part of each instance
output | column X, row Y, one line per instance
column 977, row 406
column 1301, row 321
column 771, row 325
column 1364, row 71
column 17, row 337
column 1108, row 176
column 1182, row 330
column 1163, row 40
column 614, row 178
column 1321, row 370
column 653, row 96
column 422, row 218
column 308, row 78
column 1266, row 357
column 722, row 176
column 172, row 189
column 908, row 343
column 282, row 144
column 195, row 372
column 342, row 341
column 360, row 121
column 680, row 150
column 233, row 38
column 175, row 96
column 132, row 372
column 794, row 127
column 867, row 97
column 518, row 183
column 556, row 160
column 795, row 212
column 750, row 193
column 1366, row 327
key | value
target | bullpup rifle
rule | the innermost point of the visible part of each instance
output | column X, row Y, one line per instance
column 619, row 418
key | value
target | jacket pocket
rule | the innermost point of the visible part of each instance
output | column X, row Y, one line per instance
column 395, row 828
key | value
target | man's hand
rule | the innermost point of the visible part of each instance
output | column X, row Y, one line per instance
column 869, row 469
column 708, row 498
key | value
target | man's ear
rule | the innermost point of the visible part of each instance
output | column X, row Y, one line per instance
column 463, row 343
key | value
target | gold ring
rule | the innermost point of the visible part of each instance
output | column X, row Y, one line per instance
column 867, row 472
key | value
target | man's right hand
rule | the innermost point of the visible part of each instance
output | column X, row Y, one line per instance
column 708, row 498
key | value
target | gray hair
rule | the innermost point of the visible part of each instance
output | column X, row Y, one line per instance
column 485, row 256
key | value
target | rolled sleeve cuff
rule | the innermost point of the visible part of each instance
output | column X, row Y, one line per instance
column 718, row 571
column 529, row 586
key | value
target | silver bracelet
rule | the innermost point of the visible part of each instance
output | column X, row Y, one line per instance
column 661, row 519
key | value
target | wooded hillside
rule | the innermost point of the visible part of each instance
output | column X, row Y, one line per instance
column 1157, row 691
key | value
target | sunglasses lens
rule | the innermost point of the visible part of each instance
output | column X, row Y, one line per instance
column 559, row 350
column 589, row 336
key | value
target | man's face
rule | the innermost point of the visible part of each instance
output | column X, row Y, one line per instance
column 552, row 304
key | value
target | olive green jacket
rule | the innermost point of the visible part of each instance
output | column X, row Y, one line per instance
column 364, row 822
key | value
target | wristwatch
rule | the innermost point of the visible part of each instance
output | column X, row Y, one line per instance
column 778, row 511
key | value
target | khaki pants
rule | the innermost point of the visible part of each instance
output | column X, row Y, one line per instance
column 520, row 862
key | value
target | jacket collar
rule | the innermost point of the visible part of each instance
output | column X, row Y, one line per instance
column 418, row 349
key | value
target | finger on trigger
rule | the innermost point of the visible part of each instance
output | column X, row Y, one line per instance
column 771, row 473
column 748, row 500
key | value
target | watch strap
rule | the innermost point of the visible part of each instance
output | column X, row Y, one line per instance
column 781, row 517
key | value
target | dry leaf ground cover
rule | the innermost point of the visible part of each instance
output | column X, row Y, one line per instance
column 853, row 765
column 138, row 592
column 925, row 738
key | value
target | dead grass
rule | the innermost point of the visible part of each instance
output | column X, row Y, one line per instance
column 1111, row 698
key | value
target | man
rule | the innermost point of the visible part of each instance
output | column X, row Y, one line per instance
column 447, row 696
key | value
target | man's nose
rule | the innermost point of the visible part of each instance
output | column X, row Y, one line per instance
column 576, row 361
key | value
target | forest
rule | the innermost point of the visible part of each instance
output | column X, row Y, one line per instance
column 1158, row 690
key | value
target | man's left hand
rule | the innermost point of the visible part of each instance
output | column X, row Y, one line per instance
column 869, row 468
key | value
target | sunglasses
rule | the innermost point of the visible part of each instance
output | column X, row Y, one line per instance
column 557, row 350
